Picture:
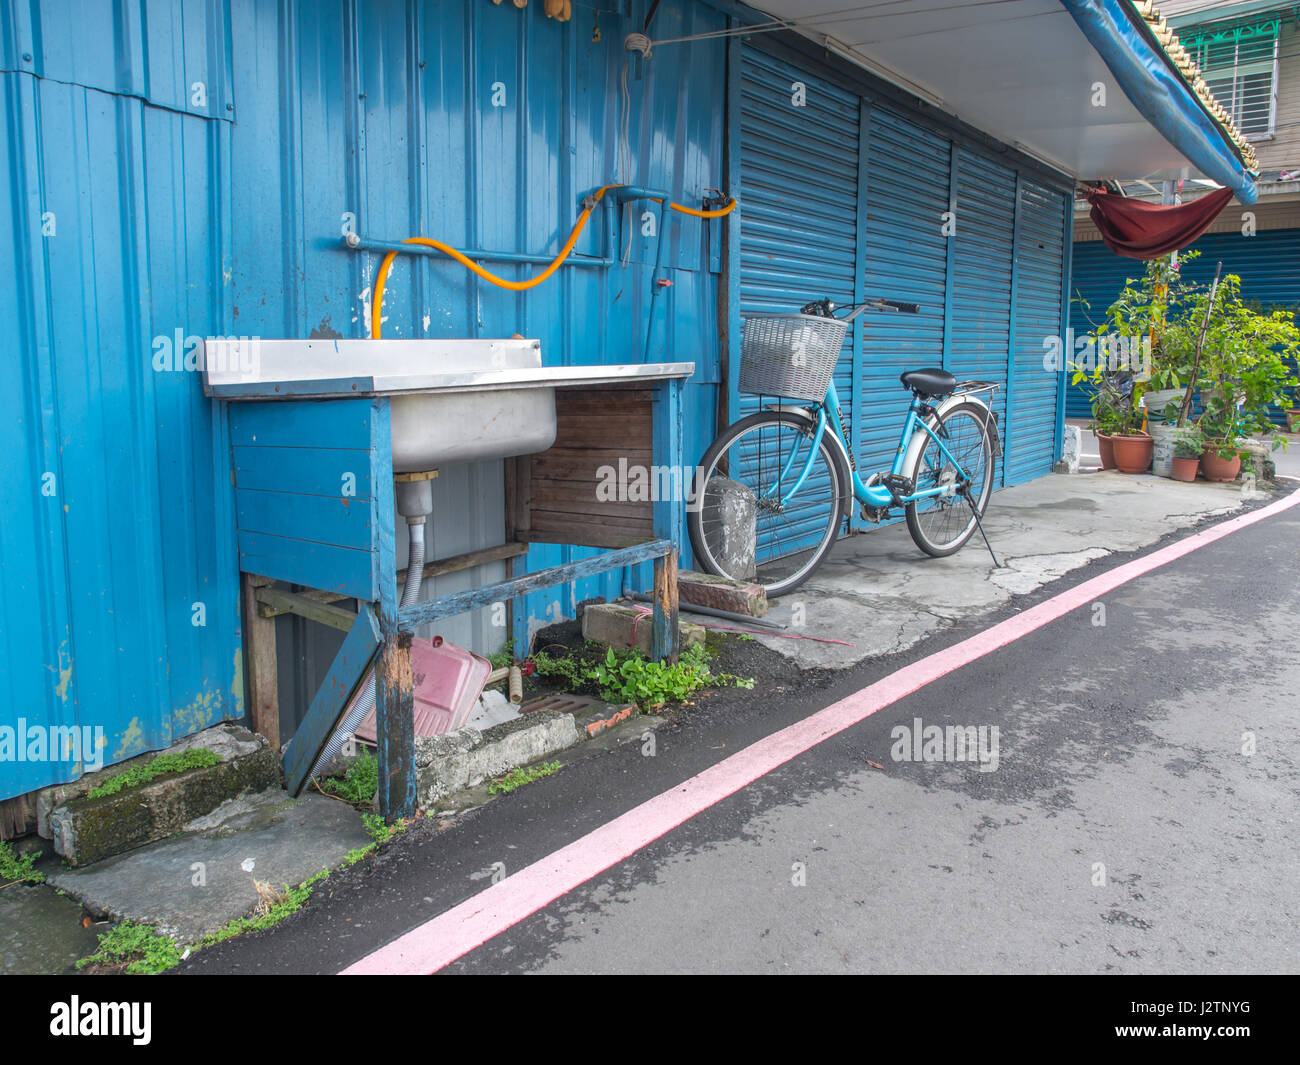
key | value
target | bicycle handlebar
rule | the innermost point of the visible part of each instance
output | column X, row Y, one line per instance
column 824, row 308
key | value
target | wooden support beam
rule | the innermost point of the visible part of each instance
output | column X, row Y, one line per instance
column 455, row 563
column 665, row 636
column 412, row 617
column 263, row 692
column 395, row 728
column 275, row 601
column 345, row 675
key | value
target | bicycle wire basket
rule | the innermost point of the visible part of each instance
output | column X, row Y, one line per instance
column 790, row 355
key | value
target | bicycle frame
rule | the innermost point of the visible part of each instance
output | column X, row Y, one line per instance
column 875, row 495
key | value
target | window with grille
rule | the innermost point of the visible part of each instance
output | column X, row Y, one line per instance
column 1239, row 64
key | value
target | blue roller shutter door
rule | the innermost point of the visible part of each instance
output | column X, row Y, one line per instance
column 1030, row 432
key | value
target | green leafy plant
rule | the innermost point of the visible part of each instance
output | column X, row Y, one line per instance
column 163, row 765
column 1244, row 370
column 272, row 912
column 380, row 831
column 561, row 670
column 136, row 948
column 1189, row 443
column 521, row 775
column 630, row 677
column 358, row 784
column 14, row 866
column 1204, row 337
column 504, row 657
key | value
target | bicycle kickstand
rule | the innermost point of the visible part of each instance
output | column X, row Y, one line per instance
column 980, row 525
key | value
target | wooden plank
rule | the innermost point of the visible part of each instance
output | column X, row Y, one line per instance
column 383, row 516
column 312, row 423
column 412, row 617
column 18, row 816
column 670, row 508
column 629, row 392
column 276, row 601
column 345, row 674
column 455, row 563
column 341, row 521
column 572, row 464
column 604, row 403
column 260, row 652
column 337, row 472
column 665, row 637
column 593, row 536
column 331, row 568
column 612, row 435
column 578, row 498
column 395, row 728
column 583, row 526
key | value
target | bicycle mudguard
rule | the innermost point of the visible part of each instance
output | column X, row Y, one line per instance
column 829, row 435
column 811, row 419
column 957, row 399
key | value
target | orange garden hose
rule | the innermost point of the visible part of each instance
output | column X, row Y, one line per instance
column 381, row 278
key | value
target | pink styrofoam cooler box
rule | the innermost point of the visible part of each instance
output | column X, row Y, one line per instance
column 448, row 681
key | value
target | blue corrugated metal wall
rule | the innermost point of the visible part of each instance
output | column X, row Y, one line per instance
column 1268, row 264
column 119, row 604
column 201, row 159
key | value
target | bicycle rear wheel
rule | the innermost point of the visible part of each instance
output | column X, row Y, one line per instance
column 744, row 522
column 941, row 525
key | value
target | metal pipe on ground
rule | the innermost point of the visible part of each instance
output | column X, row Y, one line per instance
column 709, row 611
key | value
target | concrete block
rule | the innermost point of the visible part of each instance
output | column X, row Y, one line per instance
column 1261, row 459
column 1071, row 447
column 88, row 830
column 226, row 740
column 721, row 593
column 733, row 510
column 625, row 627
column 457, row 760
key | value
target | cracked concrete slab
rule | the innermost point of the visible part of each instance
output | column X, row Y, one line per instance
column 196, row 882
column 878, row 594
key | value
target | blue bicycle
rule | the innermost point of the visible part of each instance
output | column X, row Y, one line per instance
column 774, row 490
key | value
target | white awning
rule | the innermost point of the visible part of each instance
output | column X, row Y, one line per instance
column 1021, row 70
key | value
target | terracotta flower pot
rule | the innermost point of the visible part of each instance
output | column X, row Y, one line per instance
column 1218, row 469
column 1185, row 468
column 1106, row 451
column 1133, row 453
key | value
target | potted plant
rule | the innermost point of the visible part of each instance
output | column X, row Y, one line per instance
column 1131, row 446
column 1187, row 455
column 1112, row 412
column 1243, row 374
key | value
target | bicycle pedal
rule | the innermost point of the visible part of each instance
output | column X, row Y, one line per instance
column 898, row 486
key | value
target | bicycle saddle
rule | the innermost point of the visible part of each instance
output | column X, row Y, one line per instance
column 929, row 382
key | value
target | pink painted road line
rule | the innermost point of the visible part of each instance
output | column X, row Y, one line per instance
column 476, row 920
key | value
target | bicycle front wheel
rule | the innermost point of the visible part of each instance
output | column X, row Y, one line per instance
column 942, row 524
column 752, row 518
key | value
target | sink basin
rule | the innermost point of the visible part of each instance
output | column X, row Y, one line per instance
column 450, row 401
column 481, row 409
column 432, row 429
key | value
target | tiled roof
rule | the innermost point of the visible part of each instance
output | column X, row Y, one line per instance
column 1191, row 74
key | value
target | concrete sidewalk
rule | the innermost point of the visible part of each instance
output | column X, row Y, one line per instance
column 878, row 592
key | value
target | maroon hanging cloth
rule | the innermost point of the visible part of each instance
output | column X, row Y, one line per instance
column 1141, row 230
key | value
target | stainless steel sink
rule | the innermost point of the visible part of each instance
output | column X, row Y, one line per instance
column 432, row 429
column 451, row 401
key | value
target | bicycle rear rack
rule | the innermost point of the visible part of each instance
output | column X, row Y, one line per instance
column 965, row 388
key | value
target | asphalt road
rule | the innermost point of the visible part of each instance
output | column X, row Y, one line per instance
column 1122, row 830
